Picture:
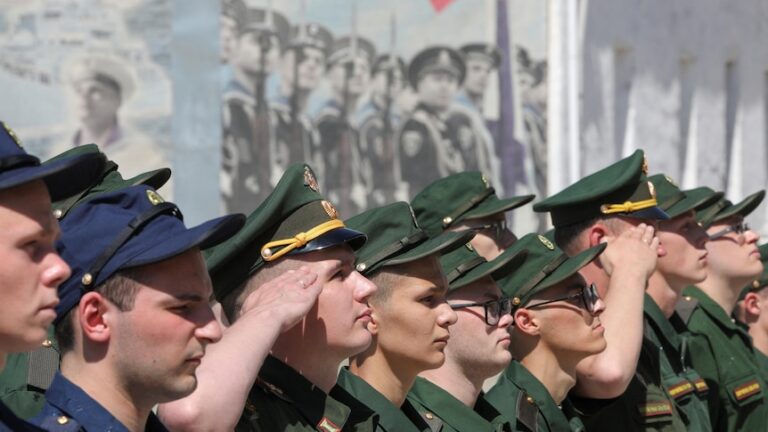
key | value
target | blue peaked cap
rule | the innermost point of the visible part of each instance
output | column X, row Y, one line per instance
column 124, row 229
column 64, row 178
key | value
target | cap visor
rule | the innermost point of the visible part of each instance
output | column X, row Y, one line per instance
column 155, row 178
column 498, row 268
column 693, row 199
column 443, row 243
column 743, row 208
column 648, row 213
column 493, row 206
column 64, row 177
column 570, row 267
column 335, row 237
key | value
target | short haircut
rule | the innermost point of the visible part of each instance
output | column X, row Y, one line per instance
column 120, row 289
column 387, row 278
column 566, row 236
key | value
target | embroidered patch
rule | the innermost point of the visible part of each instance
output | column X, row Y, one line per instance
column 330, row 209
column 746, row 390
column 327, row 425
column 680, row 389
column 653, row 409
column 701, row 385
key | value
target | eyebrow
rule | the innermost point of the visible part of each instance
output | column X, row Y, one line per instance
column 191, row 297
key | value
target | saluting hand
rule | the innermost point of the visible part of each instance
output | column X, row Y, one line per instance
column 635, row 249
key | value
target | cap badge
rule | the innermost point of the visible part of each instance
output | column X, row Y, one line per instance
column 12, row 134
column 485, row 181
column 670, row 181
column 154, row 197
column 644, row 167
column 545, row 241
column 330, row 209
column 443, row 58
column 652, row 190
column 309, row 179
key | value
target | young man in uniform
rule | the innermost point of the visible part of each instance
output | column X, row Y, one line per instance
column 467, row 201
column 720, row 350
column 617, row 206
column 450, row 398
column 276, row 364
column 134, row 319
column 27, row 375
column 752, row 310
column 410, row 318
column 556, row 325
column 30, row 268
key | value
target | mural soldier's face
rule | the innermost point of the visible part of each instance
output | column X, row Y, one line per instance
column 437, row 89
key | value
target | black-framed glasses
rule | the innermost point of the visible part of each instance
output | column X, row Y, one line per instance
column 498, row 227
column 588, row 296
column 739, row 228
column 494, row 309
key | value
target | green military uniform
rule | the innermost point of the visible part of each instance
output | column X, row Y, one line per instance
column 445, row 413
column 518, row 394
column 294, row 219
column 391, row 419
column 721, row 351
column 26, row 376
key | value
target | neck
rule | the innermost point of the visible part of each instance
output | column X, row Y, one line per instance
column 663, row 293
column 556, row 376
column 721, row 290
column 97, row 131
column 286, row 91
column 103, row 385
column 458, row 381
column 392, row 381
column 317, row 364
column 351, row 101
column 477, row 99
column 245, row 79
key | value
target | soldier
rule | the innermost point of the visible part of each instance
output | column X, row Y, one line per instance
column 666, row 393
column 556, row 325
column 27, row 375
column 752, row 311
column 410, row 318
column 450, row 398
column 302, row 64
column 467, row 201
column 245, row 175
column 435, row 140
column 614, row 206
column 721, row 351
column 30, row 268
column 134, row 318
column 277, row 362
column 348, row 70
column 377, row 120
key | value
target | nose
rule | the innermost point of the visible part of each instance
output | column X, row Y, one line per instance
column 363, row 288
column 56, row 271
column 209, row 328
column 599, row 307
column 505, row 320
column 751, row 236
column 446, row 316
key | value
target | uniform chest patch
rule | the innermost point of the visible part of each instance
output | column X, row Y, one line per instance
column 327, row 425
column 653, row 409
column 746, row 390
column 680, row 389
column 701, row 385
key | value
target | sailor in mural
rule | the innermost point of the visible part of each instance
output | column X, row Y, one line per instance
column 245, row 115
column 348, row 74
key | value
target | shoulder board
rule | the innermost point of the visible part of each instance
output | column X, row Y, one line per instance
column 527, row 411
column 434, row 422
column 272, row 389
column 685, row 308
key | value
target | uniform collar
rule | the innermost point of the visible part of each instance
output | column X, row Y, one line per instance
column 312, row 402
column 71, row 400
column 451, row 410
column 712, row 309
column 391, row 418
column 528, row 383
column 9, row 420
column 660, row 325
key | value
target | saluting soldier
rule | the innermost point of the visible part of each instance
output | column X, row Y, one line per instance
column 27, row 376
column 378, row 121
column 752, row 310
column 720, row 349
column 348, row 73
column 245, row 174
column 134, row 319
column 30, row 268
column 468, row 201
column 617, row 206
column 436, row 141
column 556, row 324
column 450, row 398
column 302, row 66
column 410, row 318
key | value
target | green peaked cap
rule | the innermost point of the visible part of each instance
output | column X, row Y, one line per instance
column 295, row 218
column 110, row 180
column 461, row 196
column 676, row 202
column 620, row 189
column 394, row 237
column 545, row 265
column 464, row 266
column 723, row 208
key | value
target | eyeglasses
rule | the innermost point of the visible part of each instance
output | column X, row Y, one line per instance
column 494, row 309
column 498, row 227
column 587, row 294
column 739, row 228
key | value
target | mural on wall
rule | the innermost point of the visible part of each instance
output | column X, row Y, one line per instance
column 380, row 98
column 89, row 71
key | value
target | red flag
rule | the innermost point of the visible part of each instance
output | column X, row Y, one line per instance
column 439, row 5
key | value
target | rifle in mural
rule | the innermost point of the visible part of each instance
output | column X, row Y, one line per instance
column 346, row 134
column 389, row 182
column 298, row 57
column 261, row 121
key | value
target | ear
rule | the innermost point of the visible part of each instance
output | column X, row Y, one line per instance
column 93, row 312
column 596, row 234
column 526, row 322
column 373, row 325
column 752, row 304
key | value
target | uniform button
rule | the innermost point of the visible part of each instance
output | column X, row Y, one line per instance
column 62, row 420
column 47, row 343
column 429, row 416
column 687, row 298
column 57, row 213
column 530, row 400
